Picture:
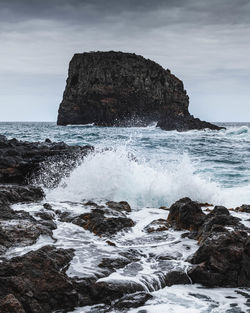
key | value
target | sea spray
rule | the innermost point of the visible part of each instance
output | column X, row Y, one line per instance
column 118, row 175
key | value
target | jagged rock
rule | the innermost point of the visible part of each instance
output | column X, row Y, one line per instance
column 99, row 224
column 119, row 206
column 222, row 260
column 157, row 225
column 134, row 300
column 10, row 304
column 124, row 89
column 107, row 291
column 21, row 160
column 38, row 281
column 243, row 208
column 19, row 228
column 186, row 214
column 16, row 194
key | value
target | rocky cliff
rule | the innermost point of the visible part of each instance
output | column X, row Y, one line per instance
column 124, row 89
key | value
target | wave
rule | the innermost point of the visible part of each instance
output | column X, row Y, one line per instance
column 238, row 131
column 118, row 175
column 81, row 125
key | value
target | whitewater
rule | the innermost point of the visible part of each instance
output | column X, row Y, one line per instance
column 148, row 168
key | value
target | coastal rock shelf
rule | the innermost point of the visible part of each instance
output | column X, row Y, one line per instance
column 125, row 89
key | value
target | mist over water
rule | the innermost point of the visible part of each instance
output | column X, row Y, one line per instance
column 149, row 167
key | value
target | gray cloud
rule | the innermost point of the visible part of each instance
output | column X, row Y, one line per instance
column 205, row 43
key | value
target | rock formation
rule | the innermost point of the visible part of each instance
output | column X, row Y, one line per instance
column 124, row 89
column 20, row 160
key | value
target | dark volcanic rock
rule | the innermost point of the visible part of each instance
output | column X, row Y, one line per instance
column 99, row 224
column 106, row 291
column 119, row 206
column 186, row 214
column 124, row 89
column 37, row 282
column 19, row 161
column 134, row 300
column 19, row 228
column 243, row 208
column 157, row 225
column 10, row 304
column 223, row 260
column 16, row 194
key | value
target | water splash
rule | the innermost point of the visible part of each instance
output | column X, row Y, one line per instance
column 117, row 175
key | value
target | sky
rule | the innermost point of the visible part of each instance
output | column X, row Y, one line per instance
column 204, row 43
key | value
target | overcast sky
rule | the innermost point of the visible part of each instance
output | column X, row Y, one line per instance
column 206, row 43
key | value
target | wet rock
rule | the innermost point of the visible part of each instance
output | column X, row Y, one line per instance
column 48, row 206
column 223, row 260
column 110, row 243
column 186, row 214
column 243, row 208
column 21, row 161
column 171, row 120
column 114, row 263
column 16, row 194
column 107, row 291
column 38, row 281
column 119, row 206
column 124, row 89
column 219, row 210
column 218, row 221
column 99, row 224
column 9, row 304
column 134, row 300
column 45, row 215
column 157, row 225
column 19, row 228
column 176, row 278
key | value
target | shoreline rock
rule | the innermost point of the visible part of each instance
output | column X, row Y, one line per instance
column 124, row 89
column 21, row 161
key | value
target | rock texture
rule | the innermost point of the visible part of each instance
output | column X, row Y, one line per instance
column 20, row 160
column 124, row 89
column 223, row 256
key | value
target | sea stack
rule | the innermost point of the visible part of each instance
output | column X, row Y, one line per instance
column 125, row 89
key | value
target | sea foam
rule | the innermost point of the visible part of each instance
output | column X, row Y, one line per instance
column 118, row 175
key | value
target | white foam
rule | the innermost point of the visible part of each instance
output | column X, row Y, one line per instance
column 115, row 175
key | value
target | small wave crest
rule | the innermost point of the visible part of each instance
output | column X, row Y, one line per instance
column 238, row 131
column 117, row 175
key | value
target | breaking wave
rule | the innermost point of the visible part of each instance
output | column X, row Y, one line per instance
column 117, row 175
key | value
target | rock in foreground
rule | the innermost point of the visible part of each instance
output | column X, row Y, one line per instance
column 124, row 89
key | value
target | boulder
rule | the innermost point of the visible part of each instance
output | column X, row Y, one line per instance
column 222, row 260
column 99, row 224
column 37, row 282
column 19, row 228
column 157, row 225
column 134, row 300
column 124, row 89
column 186, row 214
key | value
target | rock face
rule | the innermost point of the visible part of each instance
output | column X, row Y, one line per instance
column 124, row 89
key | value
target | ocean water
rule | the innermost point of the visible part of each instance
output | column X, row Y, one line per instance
column 148, row 168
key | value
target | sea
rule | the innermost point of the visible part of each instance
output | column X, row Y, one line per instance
column 148, row 168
